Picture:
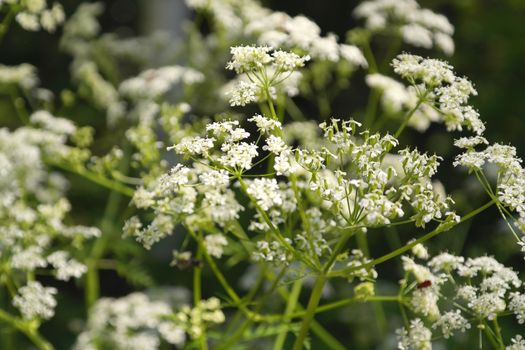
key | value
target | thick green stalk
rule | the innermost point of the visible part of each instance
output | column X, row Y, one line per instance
column 4, row 26
column 197, row 294
column 92, row 277
column 315, row 297
column 499, row 337
column 107, row 226
column 490, row 336
column 290, row 307
column 28, row 329
column 317, row 329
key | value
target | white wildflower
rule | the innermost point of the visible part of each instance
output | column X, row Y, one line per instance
column 266, row 192
column 417, row 35
column 420, row 251
column 275, row 145
column 288, row 61
column 353, row 54
column 28, row 259
column 172, row 333
column 470, row 142
column 243, row 93
column 418, row 337
column 49, row 122
column 249, row 58
column 35, row 301
column 424, row 302
column 450, row 322
column 216, row 179
column 517, row 306
column 194, row 146
column 214, row 244
column 518, row 343
column 65, row 268
column 272, row 252
column 445, row 262
column 238, row 156
column 265, row 125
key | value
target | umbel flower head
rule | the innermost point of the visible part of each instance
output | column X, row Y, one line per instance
column 261, row 71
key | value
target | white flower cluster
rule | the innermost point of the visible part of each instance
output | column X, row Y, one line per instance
column 131, row 322
column 356, row 259
column 187, row 194
column 23, row 75
column 510, row 186
column 416, row 26
column 281, row 30
column 518, row 343
column 482, row 290
column 153, row 83
column 417, row 337
column 65, row 268
column 266, row 193
column 437, row 85
column 278, row 29
column 35, row 301
column 261, row 70
column 101, row 92
column 33, row 15
column 33, row 212
column 396, row 98
column 367, row 195
column 215, row 244
column 272, row 252
column 47, row 121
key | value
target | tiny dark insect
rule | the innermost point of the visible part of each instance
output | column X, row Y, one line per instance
column 424, row 284
column 191, row 263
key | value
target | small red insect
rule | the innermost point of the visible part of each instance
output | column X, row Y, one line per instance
column 424, row 284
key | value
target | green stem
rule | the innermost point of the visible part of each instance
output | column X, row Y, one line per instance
column 373, row 98
column 340, row 303
column 274, row 229
column 317, row 329
column 409, row 246
column 369, row 55
column 490, row 336
column 248, row 321
column 108, row 228
column 407, row 118
column 371, row 108
column 315, row 297
column 379, row 312
column 293, row 110
column 270, row 105
column 197, row 294
column 498, row 333
column 94, row 177
column 4, row 26
column 28, row 329
column 92, row 263
column 218, row 274
column 290, row 307
column 197, row 271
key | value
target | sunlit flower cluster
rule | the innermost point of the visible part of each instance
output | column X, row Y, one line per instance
column 415, row 25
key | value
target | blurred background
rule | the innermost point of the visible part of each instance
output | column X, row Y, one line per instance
column 490, row 51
